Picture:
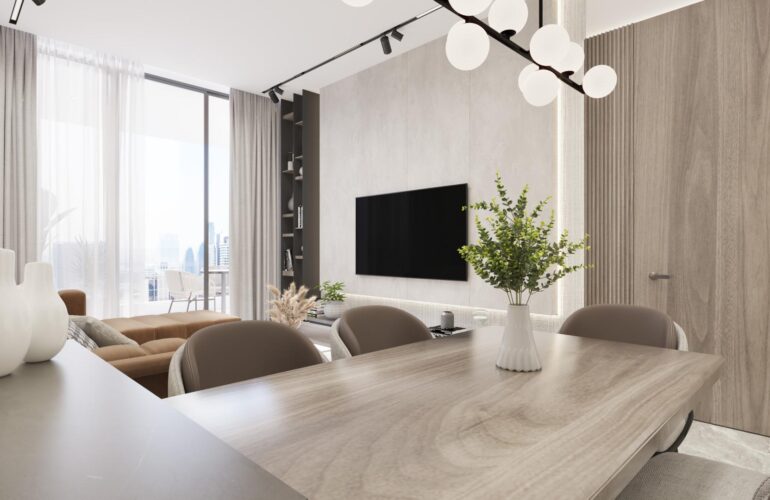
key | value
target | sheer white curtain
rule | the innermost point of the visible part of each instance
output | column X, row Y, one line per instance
column 90, row 175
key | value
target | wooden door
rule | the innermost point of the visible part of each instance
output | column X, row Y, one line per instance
column 699, row 161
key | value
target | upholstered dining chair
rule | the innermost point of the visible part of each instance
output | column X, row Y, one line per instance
column 232, row 352
column 372, row 328
column 634, row 325
column 677, row 476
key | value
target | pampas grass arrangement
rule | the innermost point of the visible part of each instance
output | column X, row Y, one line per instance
column 290, row 307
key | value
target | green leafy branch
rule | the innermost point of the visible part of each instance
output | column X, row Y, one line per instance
column 515, row 252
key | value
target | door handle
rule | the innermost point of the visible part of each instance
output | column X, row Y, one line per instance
column 659, row 276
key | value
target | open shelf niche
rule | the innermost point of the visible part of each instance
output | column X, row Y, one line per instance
column 300, row 191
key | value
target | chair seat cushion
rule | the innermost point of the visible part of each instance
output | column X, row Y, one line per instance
column 197, row 320
column 682, row 477
column 117, row 352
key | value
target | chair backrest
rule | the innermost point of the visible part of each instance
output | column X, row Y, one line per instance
column 174, row 282
column 373, row 328
column 232, row 352
column 192, row 283
column 623, row 323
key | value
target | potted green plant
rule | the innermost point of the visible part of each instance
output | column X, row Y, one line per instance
column 516, row 253
column 333, row 296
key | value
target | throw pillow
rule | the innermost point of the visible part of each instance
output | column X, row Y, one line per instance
column 78, row 335
column 101, row 333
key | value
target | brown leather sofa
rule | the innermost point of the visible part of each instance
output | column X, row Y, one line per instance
column 157, row 336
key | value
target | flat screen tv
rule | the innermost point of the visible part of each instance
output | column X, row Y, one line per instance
column 413, row 234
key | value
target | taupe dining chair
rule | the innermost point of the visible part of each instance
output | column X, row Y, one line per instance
column 372, row 328
column 232, row 352
column 634, row 325
column 683, row 477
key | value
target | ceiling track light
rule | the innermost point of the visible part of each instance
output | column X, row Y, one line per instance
column 390, row 32
column 273, row 97
column 386, row 48
column 16, row 10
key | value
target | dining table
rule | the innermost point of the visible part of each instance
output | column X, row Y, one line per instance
column 438, row 419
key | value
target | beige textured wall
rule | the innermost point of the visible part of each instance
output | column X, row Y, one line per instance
column 414, row 122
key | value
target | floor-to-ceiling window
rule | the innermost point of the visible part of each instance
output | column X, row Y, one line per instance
column 186, row 197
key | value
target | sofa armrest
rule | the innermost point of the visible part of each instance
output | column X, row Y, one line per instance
column 75, row 300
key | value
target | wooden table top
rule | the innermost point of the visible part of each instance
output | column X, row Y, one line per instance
column 77, row 428
column 437, row 419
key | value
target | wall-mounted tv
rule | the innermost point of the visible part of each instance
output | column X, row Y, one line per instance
column 413, row 234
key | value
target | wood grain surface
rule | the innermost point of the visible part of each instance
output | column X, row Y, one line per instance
column 700, row 111
column 437, row 419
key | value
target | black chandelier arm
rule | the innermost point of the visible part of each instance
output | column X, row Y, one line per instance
column 511, row 44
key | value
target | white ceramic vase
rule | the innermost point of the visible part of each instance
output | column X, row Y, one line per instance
column 518, row 352
column 333, row 310
column 14, row 335
column 49, row 320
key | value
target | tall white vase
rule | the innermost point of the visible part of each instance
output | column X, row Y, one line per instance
column 518, row 351
column 49, row 320
column 14, row 335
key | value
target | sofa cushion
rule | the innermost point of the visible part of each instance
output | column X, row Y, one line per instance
column 165, row 327
column 135, row 330
column 163, row 345
column 197, row 320
column 101, row 332
column 144, row 366
column 117, row 352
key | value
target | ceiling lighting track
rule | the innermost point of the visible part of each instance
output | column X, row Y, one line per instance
column 383, row 38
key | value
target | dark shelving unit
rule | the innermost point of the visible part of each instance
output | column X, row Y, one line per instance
column 300, row 145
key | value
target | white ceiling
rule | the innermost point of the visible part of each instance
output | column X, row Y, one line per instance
column 244, row 44
column 253, row 44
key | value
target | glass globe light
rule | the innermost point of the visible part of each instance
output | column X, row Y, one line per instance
column 525, row 74
column 573, row 60
column 549, row 45
column 469, row 7
column 600, row 81
column 541, row 88
column 357, row 3
column 467, row 46
column 508, row 15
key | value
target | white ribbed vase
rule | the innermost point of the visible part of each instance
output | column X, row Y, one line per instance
column 14, row 336
column 518, row 352
column 49, row 322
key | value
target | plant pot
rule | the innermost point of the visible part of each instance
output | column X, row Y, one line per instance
column 49, row 324
column 14, row 335
column 333, row 310
column 518, row 352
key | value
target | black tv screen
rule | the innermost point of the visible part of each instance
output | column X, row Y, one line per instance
column 413, row 234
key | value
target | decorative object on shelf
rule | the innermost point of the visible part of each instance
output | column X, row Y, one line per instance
column 290, row 204
column 290, row 166
column 14, row 335
column 290, row 307
column 480, row 317
column 49, row 324
column 447, row 320
column 289, row 266
column 300, row 171
column 333, row 297
column 517, row 254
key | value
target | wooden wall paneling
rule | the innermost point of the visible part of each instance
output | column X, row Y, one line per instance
column 743, row 227
column 609, row 173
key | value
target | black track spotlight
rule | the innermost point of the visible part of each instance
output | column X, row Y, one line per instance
column 273, row 97
column 39, row 2
column 278, row 90
column 386, row 48
column 397, row 35
column 16, row 11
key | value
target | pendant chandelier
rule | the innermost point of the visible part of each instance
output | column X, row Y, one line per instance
column 553, row 56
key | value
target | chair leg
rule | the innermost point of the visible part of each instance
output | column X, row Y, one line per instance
column 674, row 448
column 171, row 305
